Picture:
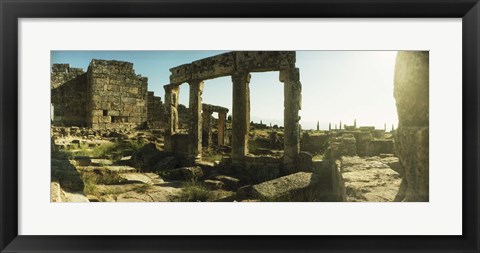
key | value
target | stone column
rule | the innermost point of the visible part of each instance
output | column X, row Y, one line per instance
column 412, row 135
column 240, row 115
column 222, row 118
column 195, row 128
column 206, row 129
column 292, row 104
column 171, row 105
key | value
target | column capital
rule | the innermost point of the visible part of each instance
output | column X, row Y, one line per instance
column 289, row 75
column 241, row 76
column 195, row 82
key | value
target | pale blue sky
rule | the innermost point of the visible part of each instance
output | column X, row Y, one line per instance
column 336, row 85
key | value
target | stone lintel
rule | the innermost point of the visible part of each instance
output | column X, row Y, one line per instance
column 214, row 108
column 228, row 63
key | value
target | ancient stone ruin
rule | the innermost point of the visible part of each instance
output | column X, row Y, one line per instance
column 113, row 140
column 238, row 65
column 108, row 96
column 207, row 111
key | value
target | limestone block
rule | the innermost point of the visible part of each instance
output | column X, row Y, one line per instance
column 212, row 67
column 377, row 147
column 294, row 187
column 55, row 192
column 230, row 183
column 262, row 168
column 133, row 90
column 105, row 119
column 181, row 74
column 413, row 149
column 97, row 113
column 213, row 184
column 184, row 173
column 368, row 179
column 264, row 60
column 96, row 119
column 113, row 113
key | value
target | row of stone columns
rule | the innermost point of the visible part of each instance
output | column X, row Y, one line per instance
column 241, row 116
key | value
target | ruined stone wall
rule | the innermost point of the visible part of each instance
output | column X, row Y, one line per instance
column 363, row 139
column 344, row 145
column 315, row 143
column 62, row 73
column 377, row 147
column 117, row 97
column 68, row 95
column 183, row 116
column 156, row 118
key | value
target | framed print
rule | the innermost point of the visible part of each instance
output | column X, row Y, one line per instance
column 224, row 126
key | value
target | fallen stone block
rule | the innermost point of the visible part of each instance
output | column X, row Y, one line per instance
column 184, row 173
column 245, row 192
column 230, row 183
column 166, row 163
column 213, row 184
column 136, row 178
column 294, row 187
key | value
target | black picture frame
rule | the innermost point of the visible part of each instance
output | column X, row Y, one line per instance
column 11, row 11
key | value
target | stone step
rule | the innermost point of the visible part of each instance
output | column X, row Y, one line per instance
column 113, row 168
column 101, row 162
column 146, row 178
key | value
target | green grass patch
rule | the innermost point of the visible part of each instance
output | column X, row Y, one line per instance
column 194, row 192
column 114, row 151
column 89, row 183
column 212, row 157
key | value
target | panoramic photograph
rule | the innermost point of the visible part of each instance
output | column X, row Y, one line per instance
column 239, row 126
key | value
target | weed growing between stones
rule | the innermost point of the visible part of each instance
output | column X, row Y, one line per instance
column 194, row 192
column 114, row 151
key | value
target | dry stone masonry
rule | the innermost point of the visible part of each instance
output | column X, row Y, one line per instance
column 117, row 97
column 155, row 111
column 108, row 96
column 69, row 95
